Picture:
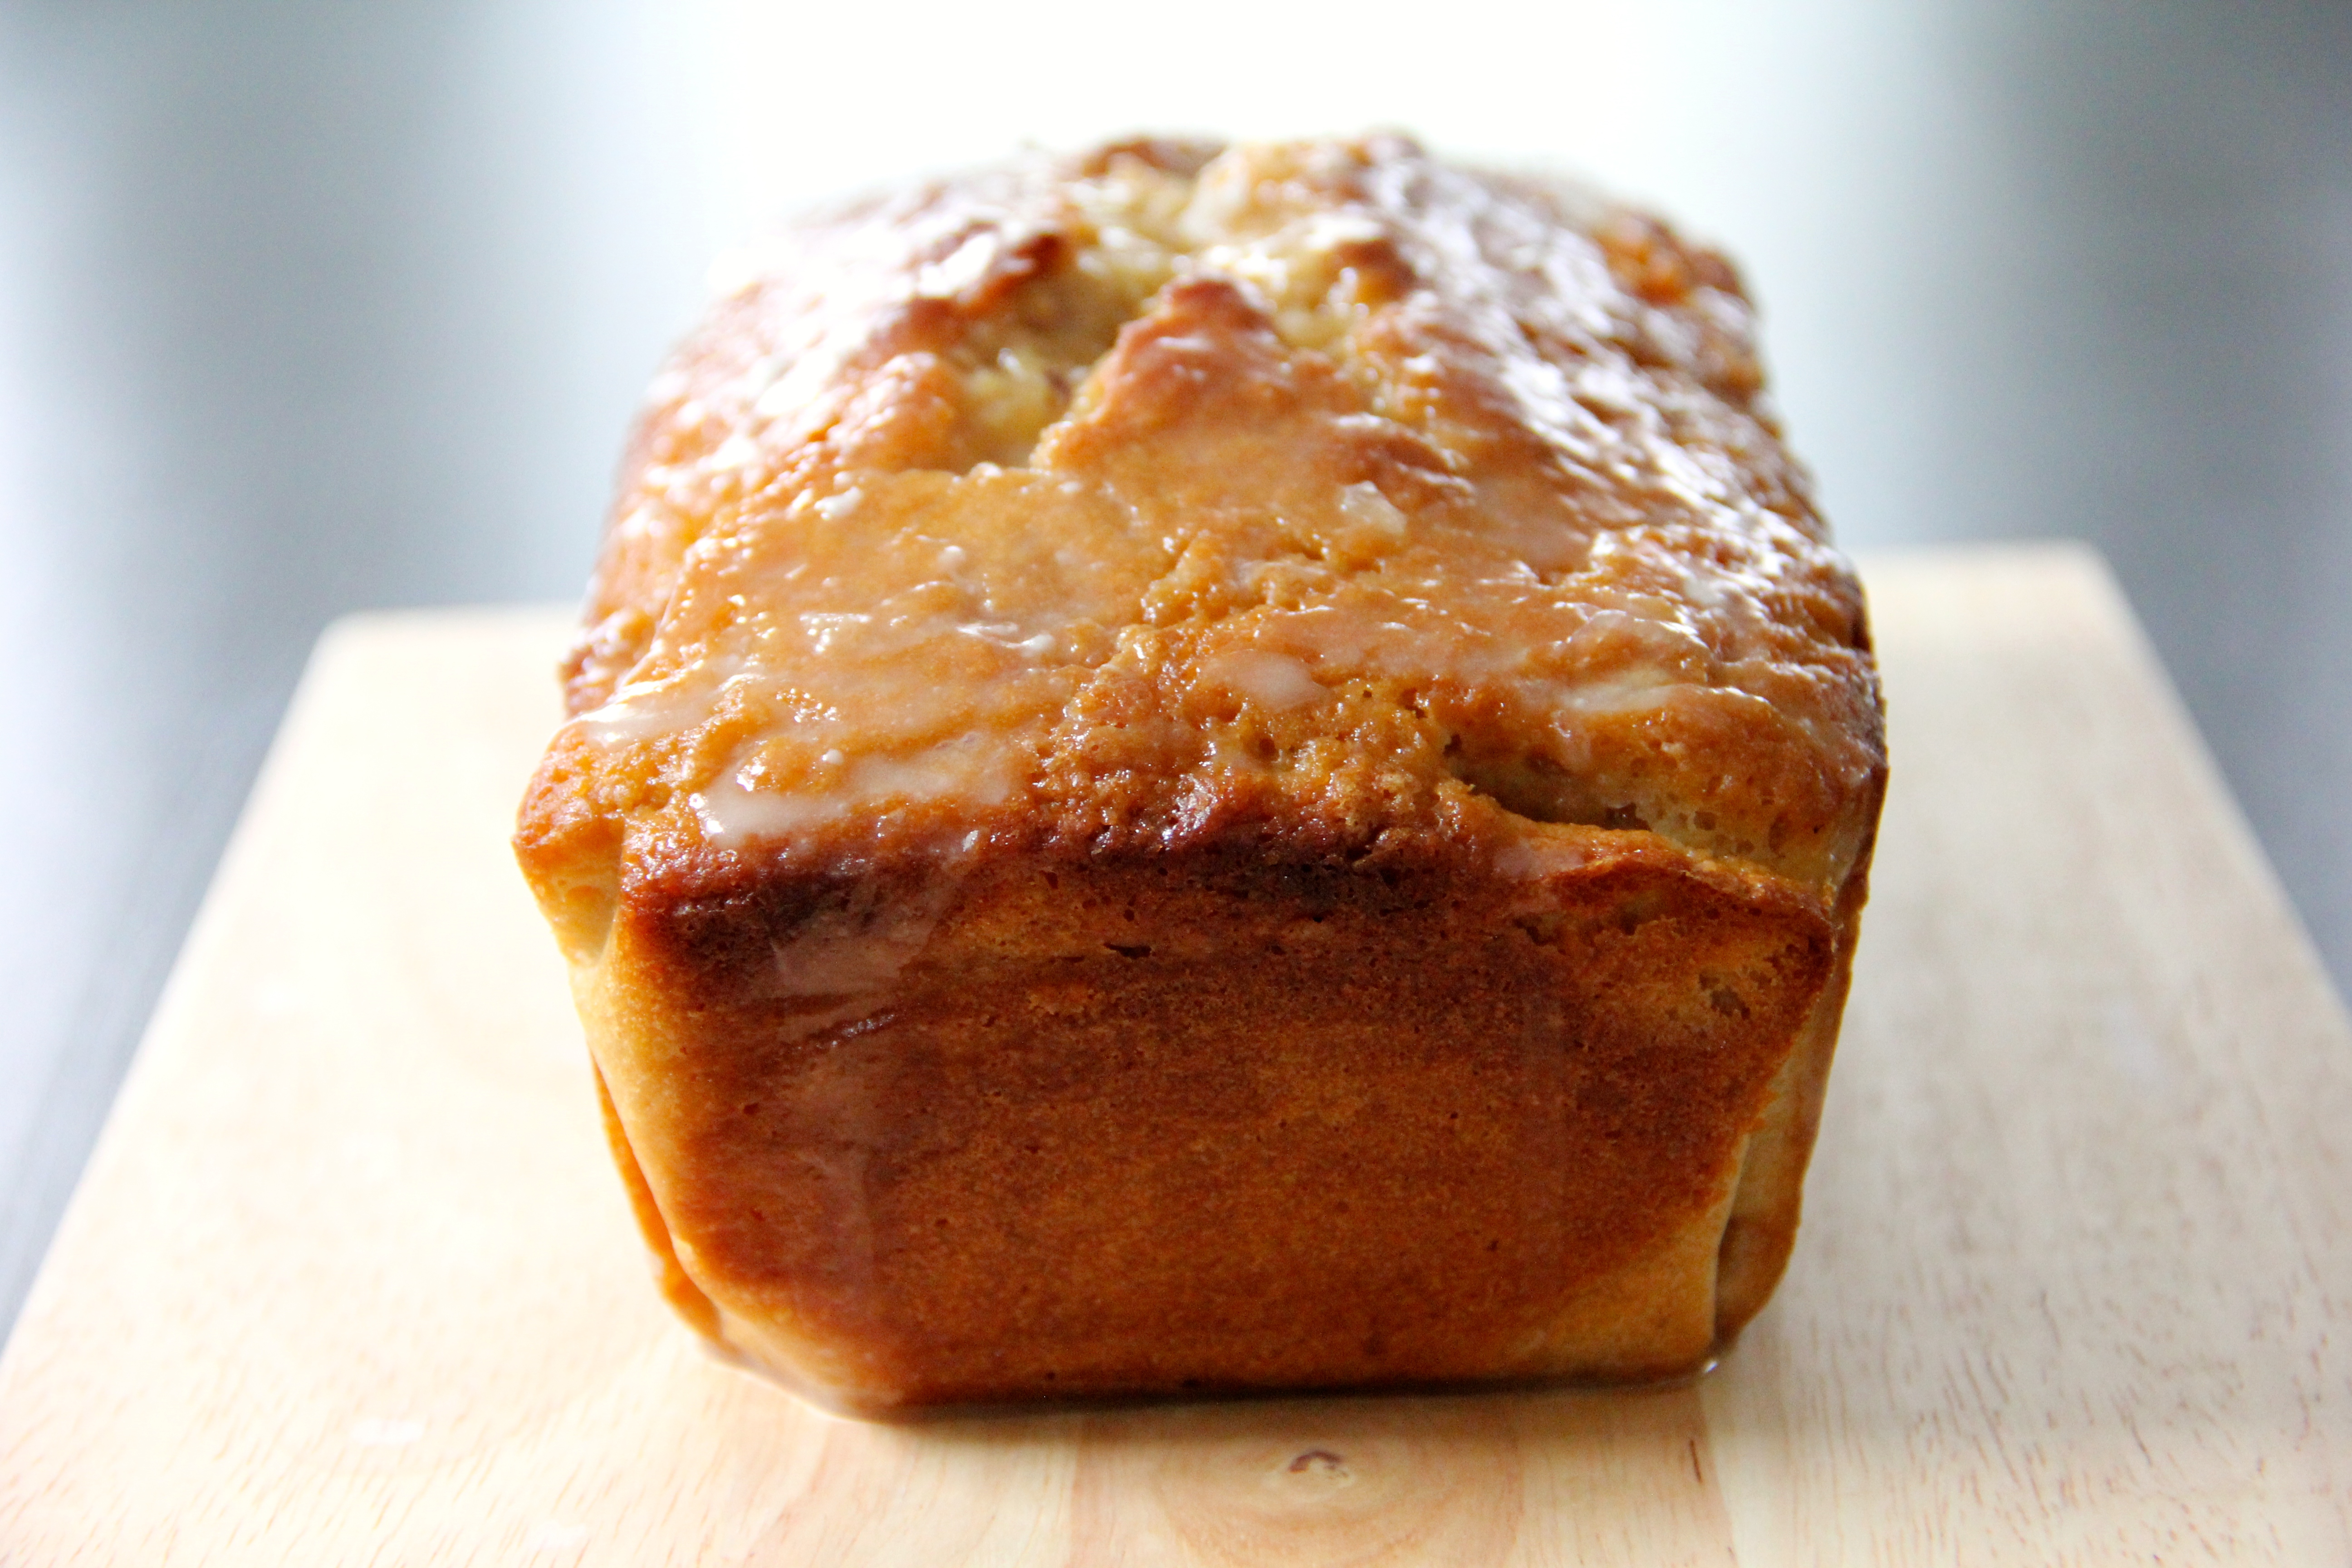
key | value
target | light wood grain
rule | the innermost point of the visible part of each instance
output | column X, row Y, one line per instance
column 349, row 1279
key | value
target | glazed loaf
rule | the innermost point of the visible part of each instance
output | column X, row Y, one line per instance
column 1206, row 769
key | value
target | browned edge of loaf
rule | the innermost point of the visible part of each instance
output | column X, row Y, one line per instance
column 1430, row 1212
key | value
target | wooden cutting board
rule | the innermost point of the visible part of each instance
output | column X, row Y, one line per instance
column 349, row 1279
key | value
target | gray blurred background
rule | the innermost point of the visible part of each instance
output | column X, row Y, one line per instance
column 309, row 308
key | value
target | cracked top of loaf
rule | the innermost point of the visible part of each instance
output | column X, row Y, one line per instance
column 1306, row 493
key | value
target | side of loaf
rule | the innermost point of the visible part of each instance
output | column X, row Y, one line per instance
column 1204, row 769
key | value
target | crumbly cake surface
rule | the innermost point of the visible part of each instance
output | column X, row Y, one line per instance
column 1375, row 590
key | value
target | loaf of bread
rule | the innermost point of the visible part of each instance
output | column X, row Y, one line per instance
column 1207, row 769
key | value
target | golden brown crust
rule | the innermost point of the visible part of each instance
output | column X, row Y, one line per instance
column 1380, row 589
column 1041, row 1157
